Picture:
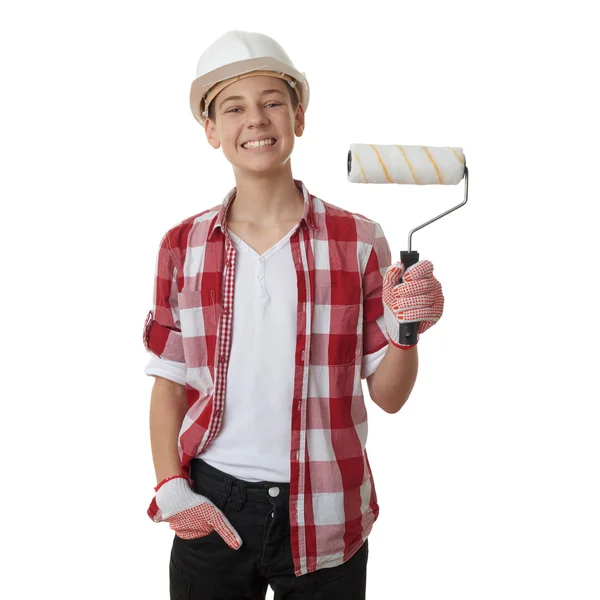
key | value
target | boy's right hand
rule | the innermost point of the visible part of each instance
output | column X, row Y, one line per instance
column 189, row 514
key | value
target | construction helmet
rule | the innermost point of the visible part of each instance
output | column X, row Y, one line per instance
column 239, row 54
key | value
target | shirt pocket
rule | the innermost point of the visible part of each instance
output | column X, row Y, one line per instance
column 198, row 316
column 339, row 344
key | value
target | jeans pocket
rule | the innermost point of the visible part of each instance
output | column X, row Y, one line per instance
column 199, row 567
column 213, row 493
column 179, row 586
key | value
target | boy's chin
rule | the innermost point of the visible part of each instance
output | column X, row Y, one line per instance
column 256, row 165
column 257, row 169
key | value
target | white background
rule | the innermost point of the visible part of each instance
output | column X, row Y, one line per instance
column 488, row 478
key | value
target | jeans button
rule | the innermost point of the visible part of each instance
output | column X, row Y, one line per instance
column 274, row 492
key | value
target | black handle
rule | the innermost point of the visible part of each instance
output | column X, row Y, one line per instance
column 408, row 331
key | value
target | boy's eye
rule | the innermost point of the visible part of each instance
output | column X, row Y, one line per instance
column 270, row 104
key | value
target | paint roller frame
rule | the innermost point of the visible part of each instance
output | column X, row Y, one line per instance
column 408, row 331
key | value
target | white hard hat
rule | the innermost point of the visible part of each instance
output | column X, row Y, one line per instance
column 238, row 54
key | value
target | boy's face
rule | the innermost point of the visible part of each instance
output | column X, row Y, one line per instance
column 256, row 113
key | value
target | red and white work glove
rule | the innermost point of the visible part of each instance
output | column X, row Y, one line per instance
column 189, row 514
column 418, row 298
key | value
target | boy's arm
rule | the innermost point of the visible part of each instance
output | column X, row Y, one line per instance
column 168, row 406
column 189, row 514
column 162, row 339
column 393, row 381
column 390, row 374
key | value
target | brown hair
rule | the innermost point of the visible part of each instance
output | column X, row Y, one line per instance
column 293, row 96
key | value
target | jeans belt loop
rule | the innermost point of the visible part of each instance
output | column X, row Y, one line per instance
column 240, row 496
column 226, row 491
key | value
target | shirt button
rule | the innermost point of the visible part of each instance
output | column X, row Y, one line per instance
column 262, row 259
column 259, row 277
column 221, row 359
column 274, row 492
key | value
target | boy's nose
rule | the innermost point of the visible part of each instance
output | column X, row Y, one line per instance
column 257, row 115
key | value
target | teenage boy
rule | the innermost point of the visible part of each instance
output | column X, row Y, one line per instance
column 269, row 310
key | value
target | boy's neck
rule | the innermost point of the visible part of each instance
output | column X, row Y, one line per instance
column 266, row 201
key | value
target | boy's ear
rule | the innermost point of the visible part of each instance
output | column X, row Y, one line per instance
column 299, row 121
column 209, row 128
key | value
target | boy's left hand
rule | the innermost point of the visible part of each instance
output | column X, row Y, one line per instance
column 418, row 298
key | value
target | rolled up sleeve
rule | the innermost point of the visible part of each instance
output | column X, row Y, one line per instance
column 169, row 369
column 162, row 329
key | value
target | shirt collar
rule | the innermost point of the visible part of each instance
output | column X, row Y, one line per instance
column 308, row 215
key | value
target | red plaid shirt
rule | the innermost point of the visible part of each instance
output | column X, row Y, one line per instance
column 340, row 258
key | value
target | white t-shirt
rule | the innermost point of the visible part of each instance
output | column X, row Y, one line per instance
column 254, row 441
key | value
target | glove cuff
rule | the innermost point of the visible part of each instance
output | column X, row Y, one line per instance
column 169, row 479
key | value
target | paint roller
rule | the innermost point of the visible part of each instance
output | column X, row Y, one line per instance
column 411, row 165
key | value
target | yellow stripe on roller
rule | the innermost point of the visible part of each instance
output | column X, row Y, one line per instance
column 434, row 165
column 460, row 158
column 382, row 165
column 361, row 167
column 412, row 171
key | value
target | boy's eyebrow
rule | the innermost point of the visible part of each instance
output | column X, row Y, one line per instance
column 242, row 97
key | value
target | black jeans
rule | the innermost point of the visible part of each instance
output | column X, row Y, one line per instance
column 207, row 568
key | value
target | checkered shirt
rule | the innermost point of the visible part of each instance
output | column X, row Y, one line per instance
column 340, row 259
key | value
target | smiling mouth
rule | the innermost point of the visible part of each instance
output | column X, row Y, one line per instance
column 263, row 144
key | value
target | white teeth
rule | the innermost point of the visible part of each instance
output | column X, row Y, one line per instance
column 268, row 142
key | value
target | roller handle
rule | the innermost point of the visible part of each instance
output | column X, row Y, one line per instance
column 408, row 331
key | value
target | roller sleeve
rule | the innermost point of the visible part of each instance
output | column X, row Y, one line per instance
column 412, row 165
